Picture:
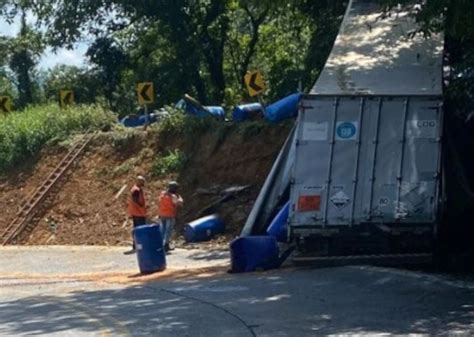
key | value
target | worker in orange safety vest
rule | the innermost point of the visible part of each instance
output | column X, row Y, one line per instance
column 136, row 206
column 168, row 203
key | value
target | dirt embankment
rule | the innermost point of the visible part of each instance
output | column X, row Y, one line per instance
column 84, row 211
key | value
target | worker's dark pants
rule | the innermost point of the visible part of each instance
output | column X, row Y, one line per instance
column 137, row 221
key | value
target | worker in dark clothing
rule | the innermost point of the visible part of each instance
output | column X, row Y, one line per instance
column 136, row 207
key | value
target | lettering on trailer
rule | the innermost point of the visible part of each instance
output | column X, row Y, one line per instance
column 346, row 130
column 5, row 104
column 313, row 187
column 309, row 203
column 316, row 131
column 66, row 97
column 255, row 82
column 340, row 200
column 145, row 93
column 422, row 128
column 384, row 201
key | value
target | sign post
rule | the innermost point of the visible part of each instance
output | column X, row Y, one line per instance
column 145, row 94
column 66, row 98
column 5, row 104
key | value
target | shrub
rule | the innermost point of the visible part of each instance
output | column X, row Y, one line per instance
column 187, row 126
column 172, row 162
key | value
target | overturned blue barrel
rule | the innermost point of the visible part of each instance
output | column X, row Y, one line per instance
column 149, row 246
column 203, row 229
column 283, row 109
column 246, row 111
column 279, row 226
column 251, row 253
column 132, row 121
column 216, row 111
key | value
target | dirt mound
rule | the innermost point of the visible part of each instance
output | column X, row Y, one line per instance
column 84, row 210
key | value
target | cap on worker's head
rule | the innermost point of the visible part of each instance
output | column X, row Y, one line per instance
column 141, row 178
column 172, row 184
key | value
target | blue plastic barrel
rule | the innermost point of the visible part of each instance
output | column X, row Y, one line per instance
column 151, row 119
column 283, row 109
column 279, row 226
column 136, row 121
column 149, row 246
column 130, row 121
column 203, row 229
column 246, row 111
column 250, row 253
column 216, row 111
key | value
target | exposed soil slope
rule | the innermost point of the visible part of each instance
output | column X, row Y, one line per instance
column 84, row 210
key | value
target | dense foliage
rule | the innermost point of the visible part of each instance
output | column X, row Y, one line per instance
column 201, row 47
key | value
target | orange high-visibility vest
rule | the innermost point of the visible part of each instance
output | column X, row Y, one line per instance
column 166, row 206
column 136, row 209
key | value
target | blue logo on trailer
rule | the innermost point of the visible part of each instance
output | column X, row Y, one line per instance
column 346, row 130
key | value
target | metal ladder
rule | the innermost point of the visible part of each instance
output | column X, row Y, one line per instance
column 31, row 207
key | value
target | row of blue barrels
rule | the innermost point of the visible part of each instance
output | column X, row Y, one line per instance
column 247, row 253
column 278, row 111
column 285, row 108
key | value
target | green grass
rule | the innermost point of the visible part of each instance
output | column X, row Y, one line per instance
column 24, row 133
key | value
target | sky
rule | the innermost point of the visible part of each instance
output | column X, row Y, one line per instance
column 49, row 59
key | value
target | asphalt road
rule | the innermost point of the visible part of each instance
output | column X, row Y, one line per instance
column 96, row 291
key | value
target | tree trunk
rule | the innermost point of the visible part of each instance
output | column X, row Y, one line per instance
column 24, row 82
column 199, row 85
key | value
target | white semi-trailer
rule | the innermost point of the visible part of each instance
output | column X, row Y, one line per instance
column 367, row 172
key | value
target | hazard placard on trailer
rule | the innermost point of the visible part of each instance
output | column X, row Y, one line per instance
column 255, row 83
column 145, row 93
column 309, row 203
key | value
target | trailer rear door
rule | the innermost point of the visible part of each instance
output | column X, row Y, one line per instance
column 366, row 159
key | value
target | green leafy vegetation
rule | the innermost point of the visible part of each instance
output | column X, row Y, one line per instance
column 179, row 124
column 122, row 138
column 170, row 163
column 22, row 134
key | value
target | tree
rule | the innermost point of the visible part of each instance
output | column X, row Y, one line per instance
column 110, row 61
column 197, row 32
column 84, row 82
column 454, row 19
column 22, row 53
column 26, row 49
